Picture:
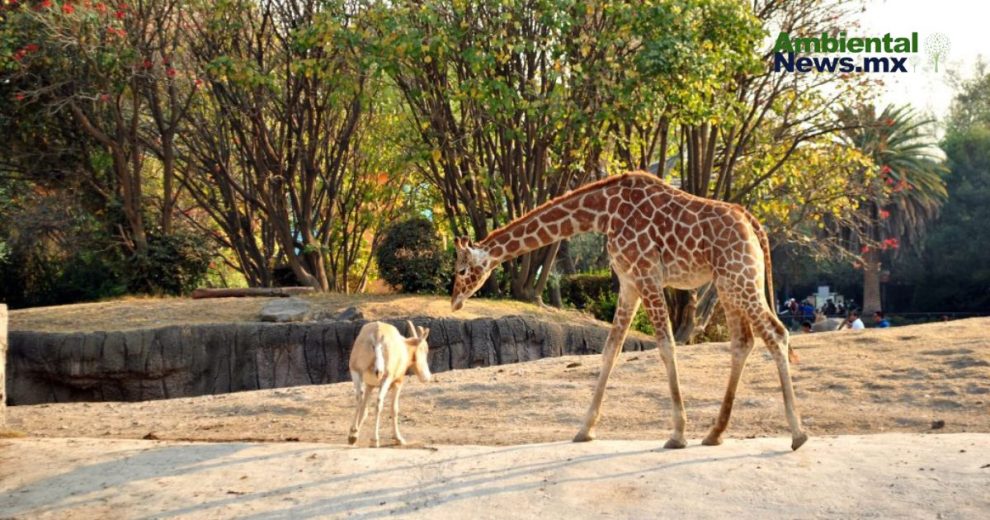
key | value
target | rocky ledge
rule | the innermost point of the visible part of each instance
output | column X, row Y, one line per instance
column 184, row 361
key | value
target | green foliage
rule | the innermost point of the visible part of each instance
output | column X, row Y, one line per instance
column 904, row 186
column 954, row 274
column 175, row 264
column 411, row 257
column 583, row 290
column 604, row 309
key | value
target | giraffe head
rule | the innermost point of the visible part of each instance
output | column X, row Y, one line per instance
column 471, row 269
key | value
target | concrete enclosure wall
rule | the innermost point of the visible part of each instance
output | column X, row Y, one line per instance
column 183, row 361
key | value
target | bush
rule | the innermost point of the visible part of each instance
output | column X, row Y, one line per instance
column 582, row 290
column 411, row 258
column 604, row 309
column 174, row 264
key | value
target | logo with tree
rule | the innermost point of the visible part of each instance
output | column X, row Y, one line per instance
column 937, row 47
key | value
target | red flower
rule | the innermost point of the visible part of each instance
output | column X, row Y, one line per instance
column 891, row 243
column 198, row 83
column 19, row 96
column 68, row 8
column 170, row 72
column 100, row 7
column 104, row 97
column 884, row 213
column 45, row 4
column 119, row 14
column 885, row 170
column 864, row 249
column 31, row 47
column 147, row 64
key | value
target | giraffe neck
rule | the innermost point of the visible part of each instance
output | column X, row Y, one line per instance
column 581, row 211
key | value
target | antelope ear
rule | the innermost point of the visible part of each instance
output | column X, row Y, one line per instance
column 412, row 329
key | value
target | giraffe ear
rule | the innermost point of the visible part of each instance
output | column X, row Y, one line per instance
column 462, row 242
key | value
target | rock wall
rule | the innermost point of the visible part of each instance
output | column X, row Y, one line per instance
column 183, row 361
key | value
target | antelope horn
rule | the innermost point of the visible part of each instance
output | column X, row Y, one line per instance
column 412, row 329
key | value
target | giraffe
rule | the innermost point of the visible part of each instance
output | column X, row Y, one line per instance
column 657, row 236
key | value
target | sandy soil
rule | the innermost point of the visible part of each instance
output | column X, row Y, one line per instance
column 136, row 313
column 473, row 432
column 906, row 379
column 885, row 476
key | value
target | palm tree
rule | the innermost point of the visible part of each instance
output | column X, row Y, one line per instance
column 904, row 187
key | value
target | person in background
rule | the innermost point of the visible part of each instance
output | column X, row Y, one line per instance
column 853, row 321
column 806, row 327
column 880, row 320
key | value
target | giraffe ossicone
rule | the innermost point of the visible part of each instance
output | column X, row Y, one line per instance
column 657, row 236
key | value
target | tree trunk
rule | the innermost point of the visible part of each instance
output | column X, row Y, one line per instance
column 871, row 282
column 565, row 264
column 203, row 292
column 168, row 177
column 682, row 305
column 3, row 366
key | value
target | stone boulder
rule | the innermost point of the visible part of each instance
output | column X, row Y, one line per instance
column 286, row 310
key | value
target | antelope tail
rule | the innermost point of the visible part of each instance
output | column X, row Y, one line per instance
column 379, row 360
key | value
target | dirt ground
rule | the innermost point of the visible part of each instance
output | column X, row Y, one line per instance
column 922, row 378
column 872, row 476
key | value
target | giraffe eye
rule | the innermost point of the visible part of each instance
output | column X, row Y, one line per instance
column 462, row 271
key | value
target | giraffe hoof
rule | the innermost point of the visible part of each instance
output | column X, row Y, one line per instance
column 712, row 440
column 352, row 439
column 799, row 441
column 674, row 444
column 584, row 437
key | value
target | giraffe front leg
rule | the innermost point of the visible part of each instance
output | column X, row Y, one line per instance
column 656, row 308
column 625, row 310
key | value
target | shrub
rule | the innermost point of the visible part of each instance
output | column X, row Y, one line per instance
column 604, row 309
column 411, row 257
column 582, row 290
column 174, row 264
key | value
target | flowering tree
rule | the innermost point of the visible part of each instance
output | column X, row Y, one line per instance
column 99, row 65
column 903, row 183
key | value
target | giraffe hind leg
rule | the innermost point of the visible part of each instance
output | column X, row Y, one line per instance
column 774, row 335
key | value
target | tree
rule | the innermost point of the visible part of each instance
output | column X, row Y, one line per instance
column 80, row 62
column 955, row 270
column 904, row 193
column 275, row 150
column 513, row 100
column 753, row 137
